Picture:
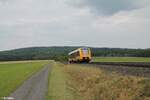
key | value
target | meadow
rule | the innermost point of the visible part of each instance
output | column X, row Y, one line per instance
column 85, row 82
column 75, row 81
column 90, row 83
column 121, row 59
column 13, row 74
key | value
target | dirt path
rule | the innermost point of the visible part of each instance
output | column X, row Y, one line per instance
column 35, row 88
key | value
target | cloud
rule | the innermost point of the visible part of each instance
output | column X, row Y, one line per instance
column 107, row 7
column 26, row 23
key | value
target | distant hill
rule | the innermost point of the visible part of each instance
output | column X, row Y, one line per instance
column 60, row 53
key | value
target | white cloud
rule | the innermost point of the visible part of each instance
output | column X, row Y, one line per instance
column 53, row 22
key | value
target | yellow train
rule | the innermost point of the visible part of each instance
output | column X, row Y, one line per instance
column 80, row 55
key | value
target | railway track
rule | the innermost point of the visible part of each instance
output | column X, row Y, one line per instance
column 125, row 68
column 131, row 64
column 141, row 69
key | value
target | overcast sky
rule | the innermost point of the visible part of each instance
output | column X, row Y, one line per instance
column 98, row 23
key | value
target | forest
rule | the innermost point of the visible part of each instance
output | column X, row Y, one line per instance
column 60, row 53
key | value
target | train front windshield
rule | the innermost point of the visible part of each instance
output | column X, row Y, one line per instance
column 85, row 51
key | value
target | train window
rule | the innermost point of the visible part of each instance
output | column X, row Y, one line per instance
column 75, row 54
column 78, row 54
column 72, row 56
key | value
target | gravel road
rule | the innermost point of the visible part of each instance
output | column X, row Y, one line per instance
column 35, row 88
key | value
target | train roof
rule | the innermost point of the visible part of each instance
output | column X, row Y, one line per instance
column 76, row 50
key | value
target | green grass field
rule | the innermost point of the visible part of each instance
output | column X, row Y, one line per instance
column 121, row 59
column 13, row 74
column 58, row 87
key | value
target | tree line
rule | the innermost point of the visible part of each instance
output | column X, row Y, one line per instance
column 61, row 53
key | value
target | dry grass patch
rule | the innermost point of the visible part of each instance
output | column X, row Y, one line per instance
column 95, row 84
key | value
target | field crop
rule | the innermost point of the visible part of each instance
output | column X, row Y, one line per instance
column 13, row 74
column 94, row 84
column 121, row 59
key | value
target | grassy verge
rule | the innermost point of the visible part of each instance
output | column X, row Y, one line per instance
column 14, row 74
column 121, row 59
column 58, row 87
column 95, row 84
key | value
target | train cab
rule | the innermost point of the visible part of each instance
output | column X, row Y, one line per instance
column 80, row 55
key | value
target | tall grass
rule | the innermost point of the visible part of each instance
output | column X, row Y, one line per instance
column 94, row 84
